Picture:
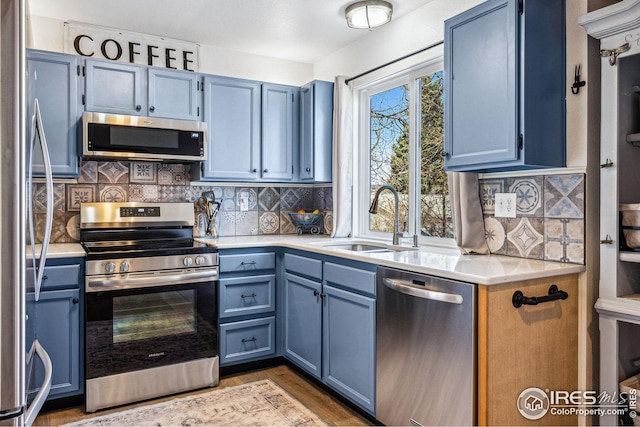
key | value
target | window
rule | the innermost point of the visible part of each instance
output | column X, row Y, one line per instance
column 401, row 144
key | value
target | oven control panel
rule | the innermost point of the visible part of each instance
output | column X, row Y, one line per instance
column 143, row 264
column 139, row 211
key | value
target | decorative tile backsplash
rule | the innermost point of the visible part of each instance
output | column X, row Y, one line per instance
column 550, row 217
column 267, row 208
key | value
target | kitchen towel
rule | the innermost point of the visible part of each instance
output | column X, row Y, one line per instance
column 466, row 211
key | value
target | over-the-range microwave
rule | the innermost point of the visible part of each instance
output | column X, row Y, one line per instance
column 115, row 136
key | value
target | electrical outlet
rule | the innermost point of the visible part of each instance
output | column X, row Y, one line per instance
column 244, row 202
column 505, row 205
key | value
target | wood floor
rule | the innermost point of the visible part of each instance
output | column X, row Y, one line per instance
column 332, row 411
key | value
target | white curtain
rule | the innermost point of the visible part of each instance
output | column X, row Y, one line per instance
column 466, row 210
column 342, row 158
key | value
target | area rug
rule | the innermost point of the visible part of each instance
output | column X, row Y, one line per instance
column 261, row 403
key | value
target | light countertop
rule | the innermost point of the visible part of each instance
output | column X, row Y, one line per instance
column 437, row 261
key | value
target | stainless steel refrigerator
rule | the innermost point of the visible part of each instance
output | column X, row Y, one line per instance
column 20, row 350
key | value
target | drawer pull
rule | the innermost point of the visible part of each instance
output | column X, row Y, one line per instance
column 246, row 340
column 248, row 263
column 518, row 299
column 243, row 296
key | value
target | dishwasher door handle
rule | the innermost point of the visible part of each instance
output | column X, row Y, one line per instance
column 408, row 289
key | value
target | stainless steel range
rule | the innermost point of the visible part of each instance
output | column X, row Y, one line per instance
column 150, row 303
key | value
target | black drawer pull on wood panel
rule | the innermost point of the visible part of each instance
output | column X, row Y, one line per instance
column 555, row 294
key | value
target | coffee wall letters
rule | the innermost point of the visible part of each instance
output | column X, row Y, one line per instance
column 133, row 48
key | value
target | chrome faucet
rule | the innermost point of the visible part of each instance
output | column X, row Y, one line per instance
column 396, row 222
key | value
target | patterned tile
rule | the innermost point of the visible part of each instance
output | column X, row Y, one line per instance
column 73, row 226
column 227, row 196
column 77, row 194
column 290, row 199
column 495, row 235
column 564, row 196
column 306, row 198
column 269, row 199
column 113, row 172
column 328, row 222
column 323, row 198
column 171, row 193
column 142, row 173
column 40, row 198
column 143, row 193
column 529, row 193
column 112, row 193
column 227, row 224
column 58, row 227
column 286, row 225
column 247, row 223
column 564, row 240
column 251, row 197
column 88, row 172
column 488, row 189
column 173, row 174
column 525, row 237
column 269, row 223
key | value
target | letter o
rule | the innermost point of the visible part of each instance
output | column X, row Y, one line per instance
column 103, row 48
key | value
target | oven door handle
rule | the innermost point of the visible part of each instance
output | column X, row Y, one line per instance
column 128, row 282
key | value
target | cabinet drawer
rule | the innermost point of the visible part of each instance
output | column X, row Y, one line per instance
column 247, row 262
column 308, row 267
column 247, row 295
column 247, row 340
column 350, row 278
column 57, row 277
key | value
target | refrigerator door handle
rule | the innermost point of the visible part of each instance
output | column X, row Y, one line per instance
column 33, row 410
column 37, row 128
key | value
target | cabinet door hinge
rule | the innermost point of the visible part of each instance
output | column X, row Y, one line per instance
column 198, row 111
column 520, row 7
column 520, row 142
column 83, row 99
column 84, row 71
column 78, row 70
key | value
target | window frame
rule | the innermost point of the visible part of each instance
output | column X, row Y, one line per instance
column 361, row 158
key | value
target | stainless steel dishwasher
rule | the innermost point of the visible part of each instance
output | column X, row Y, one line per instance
column 426, row 350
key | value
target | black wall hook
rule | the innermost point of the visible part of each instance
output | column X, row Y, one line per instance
column 577, row 83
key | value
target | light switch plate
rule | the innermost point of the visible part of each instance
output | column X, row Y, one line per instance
column 505, row 205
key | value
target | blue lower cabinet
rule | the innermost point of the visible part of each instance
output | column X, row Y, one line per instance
column 330, row 324
column 349, row 345
column 247, row 340
column 247, row 295
column 58, row 331
column 303, row 323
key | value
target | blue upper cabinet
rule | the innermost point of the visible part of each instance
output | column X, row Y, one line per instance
column 504, row 86
column 316, row 131
column 278, row 104
column 115, row 88
column 54, row 80
column 232, row 114
column 174, row 94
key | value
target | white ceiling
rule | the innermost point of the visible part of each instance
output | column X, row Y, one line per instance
column 296, row 30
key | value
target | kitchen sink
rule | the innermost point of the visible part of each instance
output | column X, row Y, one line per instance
column 368, row 247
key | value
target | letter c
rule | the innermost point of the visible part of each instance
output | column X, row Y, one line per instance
column 76, row 45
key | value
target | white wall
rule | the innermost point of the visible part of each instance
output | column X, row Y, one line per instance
column 48, row 34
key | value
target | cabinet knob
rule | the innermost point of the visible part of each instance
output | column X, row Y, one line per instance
column 316, row 293
column 444, row 154
column 152, row 108
column 138, row 107
column 75, row 300
column 254, row 170
column 307, row 169
column 266, row 171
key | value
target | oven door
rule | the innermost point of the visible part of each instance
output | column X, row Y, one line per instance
column 149, row 320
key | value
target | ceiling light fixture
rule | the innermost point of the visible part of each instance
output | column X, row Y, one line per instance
column 368, row 14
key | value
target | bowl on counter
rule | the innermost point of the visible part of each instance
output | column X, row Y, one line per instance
column 306, row 221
